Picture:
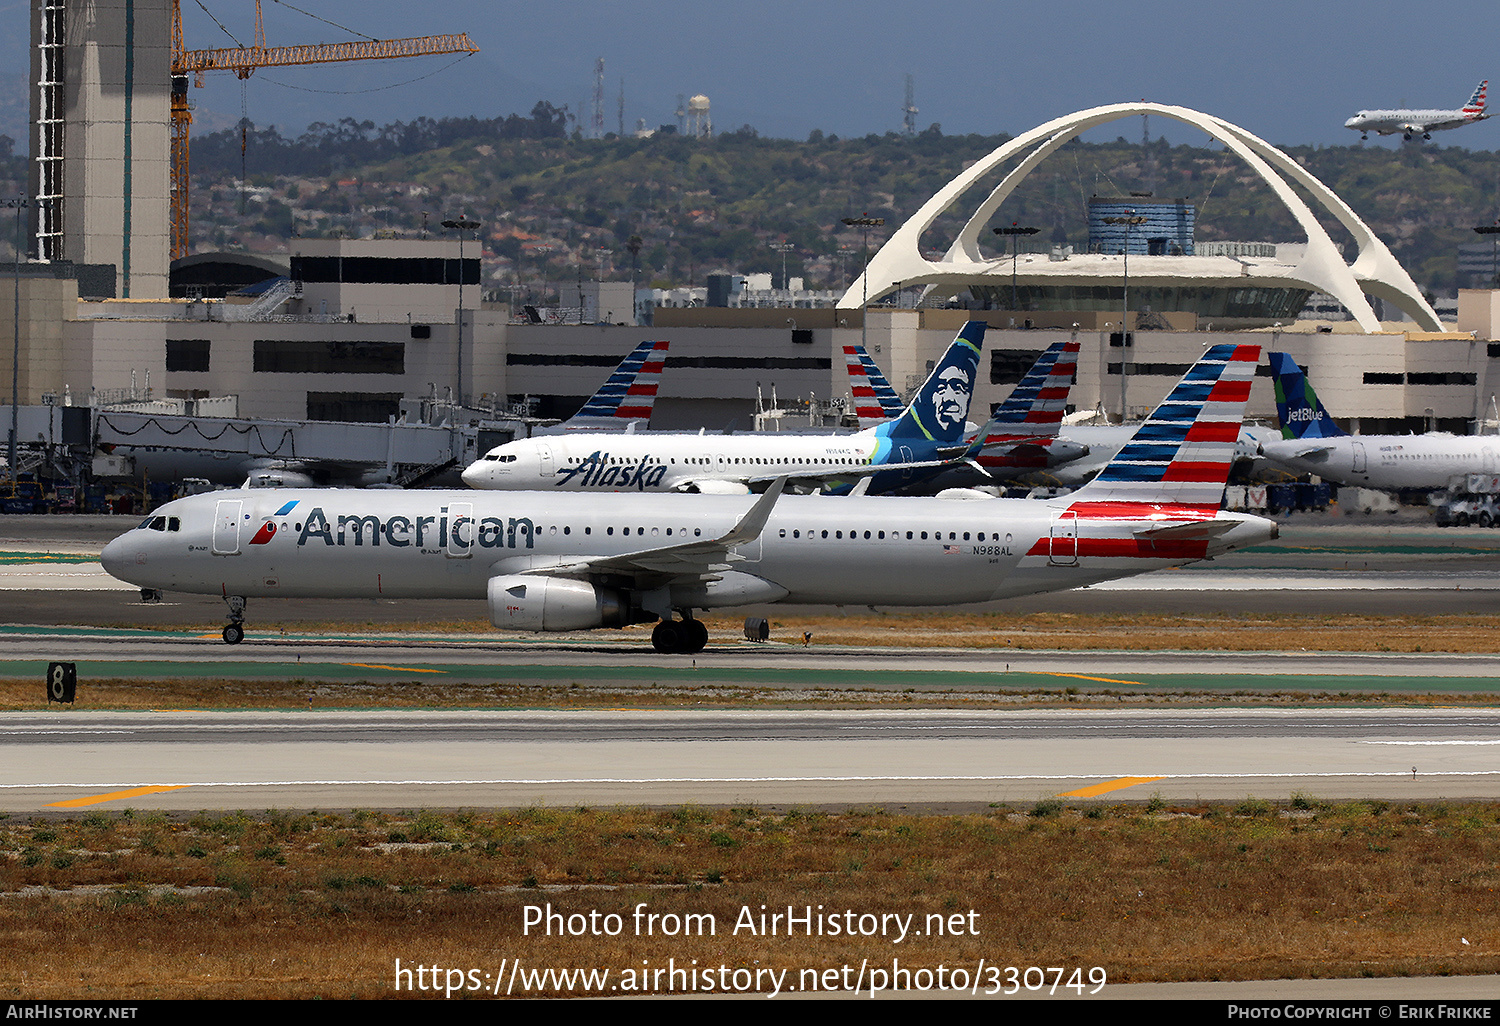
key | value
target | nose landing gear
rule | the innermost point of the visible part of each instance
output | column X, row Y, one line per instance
column 234, row 631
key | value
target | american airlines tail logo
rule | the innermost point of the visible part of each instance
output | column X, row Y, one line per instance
column 1476, row 102
column 596, row 471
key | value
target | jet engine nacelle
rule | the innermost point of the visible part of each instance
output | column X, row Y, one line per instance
column 712, row 487
column 523, row 602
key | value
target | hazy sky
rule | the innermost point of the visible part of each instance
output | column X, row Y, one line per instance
column 1290, row 72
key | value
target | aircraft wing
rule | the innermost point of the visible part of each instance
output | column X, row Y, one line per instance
column 968, row 454
column 692, row 560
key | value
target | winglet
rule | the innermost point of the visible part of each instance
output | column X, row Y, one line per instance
column 754, row 520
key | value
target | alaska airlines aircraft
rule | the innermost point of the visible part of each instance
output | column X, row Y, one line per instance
column 564, row 562
column 1314, row 444
column 929, row 434
column 1407, row 122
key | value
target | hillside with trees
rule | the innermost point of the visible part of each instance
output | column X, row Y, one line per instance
column 671, row 208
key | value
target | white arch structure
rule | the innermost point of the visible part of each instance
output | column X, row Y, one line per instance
column 1375, row 271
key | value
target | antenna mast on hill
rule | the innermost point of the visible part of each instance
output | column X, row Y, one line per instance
column 599, row 98
column 909, row 109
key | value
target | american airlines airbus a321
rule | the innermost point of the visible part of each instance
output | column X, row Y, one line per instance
column 548, row 561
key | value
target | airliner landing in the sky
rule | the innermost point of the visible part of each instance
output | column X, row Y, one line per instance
column 1410, row 122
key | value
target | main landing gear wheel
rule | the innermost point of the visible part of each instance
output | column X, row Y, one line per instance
column 684, row 637
column 234, row 634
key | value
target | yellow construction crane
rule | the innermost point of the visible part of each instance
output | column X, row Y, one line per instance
column 243, row 61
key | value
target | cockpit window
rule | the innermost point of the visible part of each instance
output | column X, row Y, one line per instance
column 160, row 524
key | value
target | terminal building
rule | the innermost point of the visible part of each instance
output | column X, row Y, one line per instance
column 370, row 330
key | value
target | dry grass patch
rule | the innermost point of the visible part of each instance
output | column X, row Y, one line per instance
column 295, row 905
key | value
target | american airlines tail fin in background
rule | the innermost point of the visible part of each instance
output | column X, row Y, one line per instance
column 875, row 401
column 627, row 397
column 1182, row 453
column 1302, row 415
column 1036, row 405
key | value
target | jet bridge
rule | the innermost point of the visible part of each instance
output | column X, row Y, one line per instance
column 292, row 453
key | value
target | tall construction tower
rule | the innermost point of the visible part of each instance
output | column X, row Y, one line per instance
column 909, row 109
column 99, row 140
column 243, row 61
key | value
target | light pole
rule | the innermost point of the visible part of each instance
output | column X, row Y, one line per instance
column 864, row 223
column 1492, row 230
column 783, row 248
column 461, row 224
column 1015, row 231
column 1130, row 219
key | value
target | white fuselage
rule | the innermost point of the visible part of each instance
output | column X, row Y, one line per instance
column 1389, row 122
column 672, row 461
column 432, row 544
column 1387, row 462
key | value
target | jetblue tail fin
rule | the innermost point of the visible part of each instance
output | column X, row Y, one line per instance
column 1035, row 407
column 875, row 401
column 1182, row 453
column 1302, row 415
column 627, row 397
column 940, row 409
column 1475, row 105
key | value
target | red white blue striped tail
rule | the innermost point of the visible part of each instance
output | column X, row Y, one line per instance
column 1035, row 407
column 1182, row 453
column 1476, row 102
column 630, row 392
column 875, row 401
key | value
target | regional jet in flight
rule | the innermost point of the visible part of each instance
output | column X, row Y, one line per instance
column 1425, row 122
column 555, row 561
column 1314, row 444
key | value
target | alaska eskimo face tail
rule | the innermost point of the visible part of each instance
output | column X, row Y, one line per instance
column 630, row 393
column 1182, row 453
column 940, row 409
column 1302, row 415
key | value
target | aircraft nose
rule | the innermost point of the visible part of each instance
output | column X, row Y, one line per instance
column 114, row 558
column 473, row 475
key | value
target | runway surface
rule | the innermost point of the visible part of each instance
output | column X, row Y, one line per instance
column 57, row 607
column 395, row 759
